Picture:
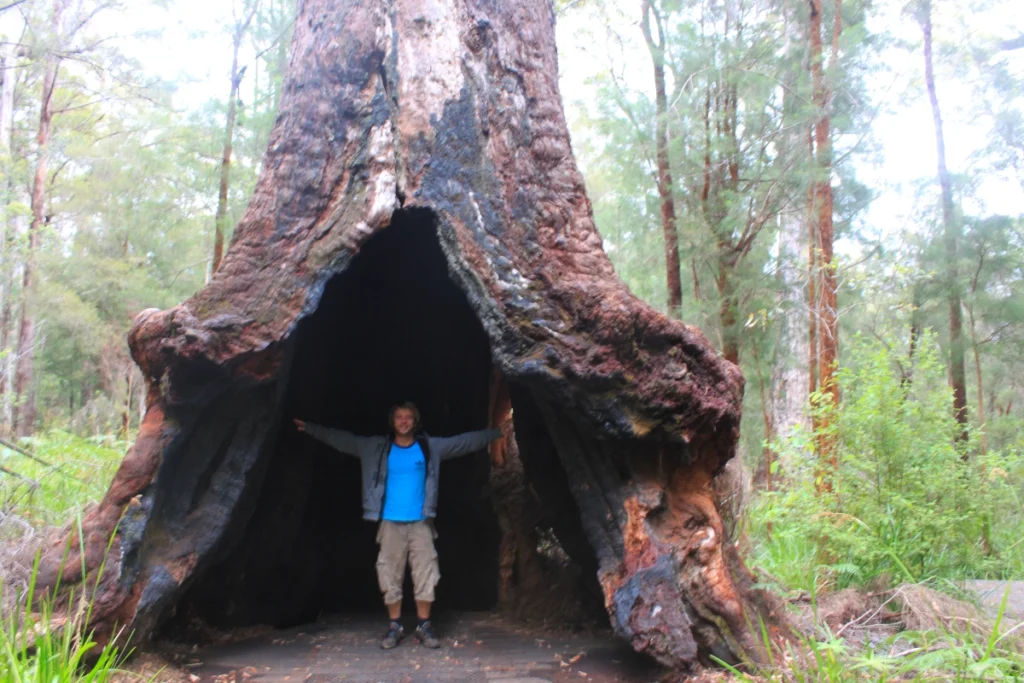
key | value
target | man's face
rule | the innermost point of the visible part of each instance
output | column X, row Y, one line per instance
column 404, row 422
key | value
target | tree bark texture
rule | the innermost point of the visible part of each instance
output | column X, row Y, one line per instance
column 951, row 231
column 665, row 186
column 451, row 110
column 821, row 220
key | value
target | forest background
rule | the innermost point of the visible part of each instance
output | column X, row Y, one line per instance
column 832, row 191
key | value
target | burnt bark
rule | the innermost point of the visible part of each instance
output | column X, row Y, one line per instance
column 412, row 135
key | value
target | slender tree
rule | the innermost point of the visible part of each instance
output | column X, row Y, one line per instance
column 823, row 234
column 239, row 29
column 951, row 230
column 656, row 46
column 24, row 416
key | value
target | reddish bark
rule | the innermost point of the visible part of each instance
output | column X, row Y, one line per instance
column 451, row 112
column 665, row 186
column 822, row 227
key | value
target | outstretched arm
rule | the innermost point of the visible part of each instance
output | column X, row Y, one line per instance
column 461, row 444
column 338, row 439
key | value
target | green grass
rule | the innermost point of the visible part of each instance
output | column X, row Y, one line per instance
column 77, row 474
column 40, row 645
column 934, row 655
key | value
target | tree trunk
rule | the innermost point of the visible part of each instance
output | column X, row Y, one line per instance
column 812, row 298
column 978, row 377
column 727, row 259
column 419, row 222
column 951, row 231
column 821, row 219
column 220, row 220
column 24, row 386
column 665, row 186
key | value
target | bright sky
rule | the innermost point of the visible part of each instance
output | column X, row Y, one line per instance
column 191, row 47
column 903, row 128
column 193, row 50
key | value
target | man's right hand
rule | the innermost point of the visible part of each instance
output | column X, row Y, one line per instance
column 299, row 424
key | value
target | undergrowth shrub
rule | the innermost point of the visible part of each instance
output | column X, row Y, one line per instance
column 908, row 500
column 76, row 473
column 43, row 643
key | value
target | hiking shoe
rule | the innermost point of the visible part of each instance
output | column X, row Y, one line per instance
column 426, row 636
column 393, row 637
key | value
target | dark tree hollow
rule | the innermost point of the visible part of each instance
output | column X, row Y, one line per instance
column 392, row 327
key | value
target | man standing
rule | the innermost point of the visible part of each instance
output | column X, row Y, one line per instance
column 400, row 481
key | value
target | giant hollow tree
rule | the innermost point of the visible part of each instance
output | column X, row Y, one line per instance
column 420, row 231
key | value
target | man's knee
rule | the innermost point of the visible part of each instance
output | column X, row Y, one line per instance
column 391, row 562
column 423, row 561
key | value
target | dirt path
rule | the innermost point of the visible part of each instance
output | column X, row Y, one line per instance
column 476, row 647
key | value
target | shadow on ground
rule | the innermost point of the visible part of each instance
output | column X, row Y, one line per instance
column 476, row 647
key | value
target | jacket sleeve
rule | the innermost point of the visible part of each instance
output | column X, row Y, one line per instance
column 453, row 446
column 338, row 439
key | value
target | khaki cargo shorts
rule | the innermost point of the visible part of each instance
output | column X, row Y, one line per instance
column 411, row 542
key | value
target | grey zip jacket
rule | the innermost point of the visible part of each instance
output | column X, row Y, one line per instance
column 372, row 452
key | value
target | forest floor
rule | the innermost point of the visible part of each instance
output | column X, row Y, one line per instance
column 486, row 647
column 475, row 647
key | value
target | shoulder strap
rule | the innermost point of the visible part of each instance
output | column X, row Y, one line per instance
column 424, row 441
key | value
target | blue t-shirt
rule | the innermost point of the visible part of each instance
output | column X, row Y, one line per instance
column 406, row 484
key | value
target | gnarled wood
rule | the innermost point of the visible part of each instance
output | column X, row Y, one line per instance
column 442, row 120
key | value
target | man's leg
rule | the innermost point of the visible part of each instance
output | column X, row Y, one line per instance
column 391, row 561
column 425, row 575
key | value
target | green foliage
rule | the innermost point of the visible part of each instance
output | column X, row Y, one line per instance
column 941, row 654
column 38, row 647
column 908, row 502
column 78, row 473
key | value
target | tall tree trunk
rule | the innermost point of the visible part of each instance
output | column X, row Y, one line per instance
column 665, row 187
column 812, row 298
column 727, row 259
column 730, row 252
column 790, row 358
column 821, row 219
column 951, row 229
column 812, row 286
column 24, row 387
column 220, row 220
